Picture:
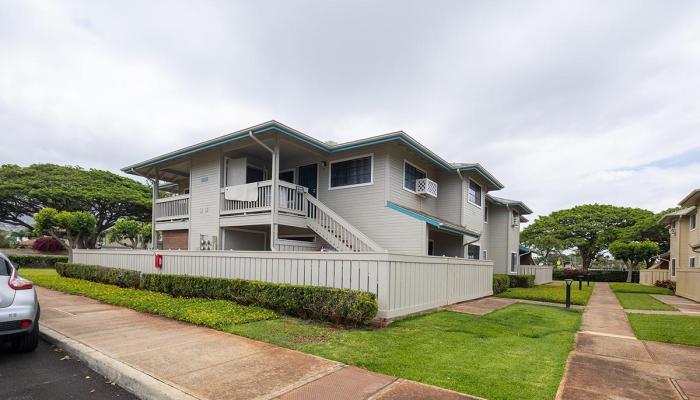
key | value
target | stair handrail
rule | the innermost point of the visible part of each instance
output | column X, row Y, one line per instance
column 333, row 215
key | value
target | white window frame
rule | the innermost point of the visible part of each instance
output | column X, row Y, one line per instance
column 371, row 172
column 485, row 254
column 693, row 218
column 486, row 214
column 692, row 262
column 673, row 266
column 482, row 193
column 403, row 181
column 514, row 265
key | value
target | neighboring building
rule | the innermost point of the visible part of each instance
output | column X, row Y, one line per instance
column 501, row 239
column 383, row 193
column 684, row 251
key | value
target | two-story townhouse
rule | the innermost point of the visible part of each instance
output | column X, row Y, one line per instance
column 501, row 238
column 270, row 187
column 684, row 251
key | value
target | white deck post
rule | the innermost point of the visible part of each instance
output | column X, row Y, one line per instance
column 154, row 233
column 275, row 193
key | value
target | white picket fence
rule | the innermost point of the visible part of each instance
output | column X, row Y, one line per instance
column 403, row 284
column 543, row 273
column 650, row 276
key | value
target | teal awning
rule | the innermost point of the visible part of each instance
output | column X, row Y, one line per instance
column 438, row 223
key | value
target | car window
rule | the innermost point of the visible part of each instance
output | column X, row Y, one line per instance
column 4, row 268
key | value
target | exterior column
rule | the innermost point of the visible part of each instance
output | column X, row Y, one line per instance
column 154, row 233
column 275, row 194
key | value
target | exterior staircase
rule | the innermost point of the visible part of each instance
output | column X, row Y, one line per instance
column 335, row 230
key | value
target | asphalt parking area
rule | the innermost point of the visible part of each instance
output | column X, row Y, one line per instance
column 50, row 374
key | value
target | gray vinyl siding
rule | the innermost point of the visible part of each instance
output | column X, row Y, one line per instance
column 514, row 239
column 449, row 204
column 497, row 242
column 399, row 195
column 365, row 206
column 204, row 196
column 485, row 239
column 473, row 217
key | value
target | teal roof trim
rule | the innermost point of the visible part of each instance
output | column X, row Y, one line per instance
column 437, row 224
column 276, row 126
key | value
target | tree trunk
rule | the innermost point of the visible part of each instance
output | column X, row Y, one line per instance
column 586, row 260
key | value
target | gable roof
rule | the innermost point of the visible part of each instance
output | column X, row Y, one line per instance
column 680, row 213
column 524, row 209
column 691, row 198
column 274, row 126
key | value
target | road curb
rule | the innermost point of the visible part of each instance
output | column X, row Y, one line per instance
column 138, row 383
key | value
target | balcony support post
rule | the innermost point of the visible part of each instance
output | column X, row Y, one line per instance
column 156, row 189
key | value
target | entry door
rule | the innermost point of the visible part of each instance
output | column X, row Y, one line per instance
column 308, row 177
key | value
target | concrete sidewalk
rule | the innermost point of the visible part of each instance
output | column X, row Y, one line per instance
column 156, row 357
column 608, row 361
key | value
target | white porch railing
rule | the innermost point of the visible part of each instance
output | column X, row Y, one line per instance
column 173, row 207
column 263, row 203
column 650, row 276
column 543, row 273
column 403, row 284
column 291, row 199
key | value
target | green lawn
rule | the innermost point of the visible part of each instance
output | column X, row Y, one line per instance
column 554, row 292
column 634, row 296
column 679, row 329
column 515, row 352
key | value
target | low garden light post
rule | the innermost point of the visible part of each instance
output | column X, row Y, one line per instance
column 580, row 282
column 568, row 292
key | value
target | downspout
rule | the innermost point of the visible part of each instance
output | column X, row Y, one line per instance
column 273, row 194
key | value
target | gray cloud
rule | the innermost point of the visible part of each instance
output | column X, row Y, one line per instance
column 561, row 100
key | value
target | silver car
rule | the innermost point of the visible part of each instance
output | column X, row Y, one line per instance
column 19, row 309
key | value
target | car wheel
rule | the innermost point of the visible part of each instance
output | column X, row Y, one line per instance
column 28, row 342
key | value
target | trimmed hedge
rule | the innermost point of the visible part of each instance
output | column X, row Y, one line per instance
column 501, row 283
column 594, row 276
column 36, row 261
column 343, row 306
column 522, row 281
column 113, row 276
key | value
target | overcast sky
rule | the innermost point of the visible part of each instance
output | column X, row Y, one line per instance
column 565, row 102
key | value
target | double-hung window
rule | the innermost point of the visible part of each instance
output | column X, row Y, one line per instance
column 474, row 193
column 693, row 222
column 351, row 172
column 691, row 262
column 410, row 174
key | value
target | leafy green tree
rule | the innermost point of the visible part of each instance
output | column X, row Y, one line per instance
column 126, row 229
column 586, row 229
column 542, row 243
column 70, row 228
column 633, row 253
column 146, row 234
column 24, row 191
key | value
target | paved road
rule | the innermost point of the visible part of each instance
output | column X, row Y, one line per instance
column 43, row 375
